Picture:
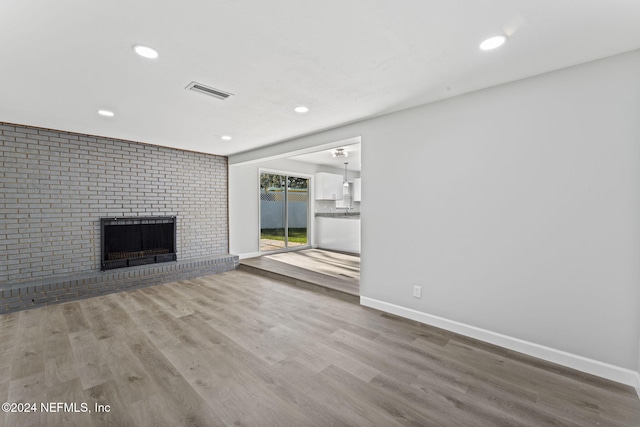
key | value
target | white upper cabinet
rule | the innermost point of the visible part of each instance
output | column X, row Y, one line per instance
column 328, row 186
column 357, row 190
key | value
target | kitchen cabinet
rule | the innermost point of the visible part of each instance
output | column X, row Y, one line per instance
column 357, row 190
column 338, row 234
column 328, row 186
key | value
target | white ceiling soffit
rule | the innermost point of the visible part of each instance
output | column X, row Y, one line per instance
column 289, row 150
column 347, row 61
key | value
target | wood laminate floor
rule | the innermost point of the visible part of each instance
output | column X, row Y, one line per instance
column 335, row 264
column 332, row 270
column 237, row 349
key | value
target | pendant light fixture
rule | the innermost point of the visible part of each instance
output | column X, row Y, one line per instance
column 345, row 183
column 339, row 152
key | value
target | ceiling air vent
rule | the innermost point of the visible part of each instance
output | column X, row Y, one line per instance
column 216, row 93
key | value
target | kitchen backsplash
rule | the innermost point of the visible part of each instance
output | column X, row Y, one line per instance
column 328, row 206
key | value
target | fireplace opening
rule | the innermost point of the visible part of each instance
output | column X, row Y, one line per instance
column 134, row 241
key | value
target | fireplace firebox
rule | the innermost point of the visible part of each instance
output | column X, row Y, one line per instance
column 127, row 242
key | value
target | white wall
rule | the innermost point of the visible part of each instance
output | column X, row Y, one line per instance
column 637, row 384
column 244, row 218
column 527, row 227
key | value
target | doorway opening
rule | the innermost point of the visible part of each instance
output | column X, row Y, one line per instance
column 284, row 212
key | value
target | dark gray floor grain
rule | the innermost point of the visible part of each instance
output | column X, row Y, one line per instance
column 237, row 349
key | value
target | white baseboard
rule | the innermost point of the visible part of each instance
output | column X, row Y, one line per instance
column 249, row 255
column 594, row 367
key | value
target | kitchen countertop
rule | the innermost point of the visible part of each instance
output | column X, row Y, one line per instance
column 344, row 215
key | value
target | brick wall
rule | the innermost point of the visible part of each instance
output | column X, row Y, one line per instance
column 55, row 186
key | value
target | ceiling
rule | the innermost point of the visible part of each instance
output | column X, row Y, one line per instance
column 325, row 158
column 346, row 60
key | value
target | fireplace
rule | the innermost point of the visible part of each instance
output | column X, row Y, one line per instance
column 127, row 242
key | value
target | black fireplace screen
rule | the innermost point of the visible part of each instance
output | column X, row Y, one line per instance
column 137, row 241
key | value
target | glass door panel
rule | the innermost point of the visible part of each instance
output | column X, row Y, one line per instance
column 272, row 212
column 298, row 211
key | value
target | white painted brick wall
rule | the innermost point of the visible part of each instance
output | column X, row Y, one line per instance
column 55, row 186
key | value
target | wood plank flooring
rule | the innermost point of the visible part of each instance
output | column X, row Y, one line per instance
column 237, row 349
column 335, row 264
column 310, row 267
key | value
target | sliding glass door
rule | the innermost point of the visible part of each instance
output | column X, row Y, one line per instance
column 284, row 212
column 297, row 211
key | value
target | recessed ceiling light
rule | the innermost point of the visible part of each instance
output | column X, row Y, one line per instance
column 301, row 109
column 493, row 42
column 225, row 137
column 106, row 113
column 145, row 51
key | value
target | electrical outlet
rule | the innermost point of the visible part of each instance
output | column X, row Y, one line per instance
column 417, row 291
